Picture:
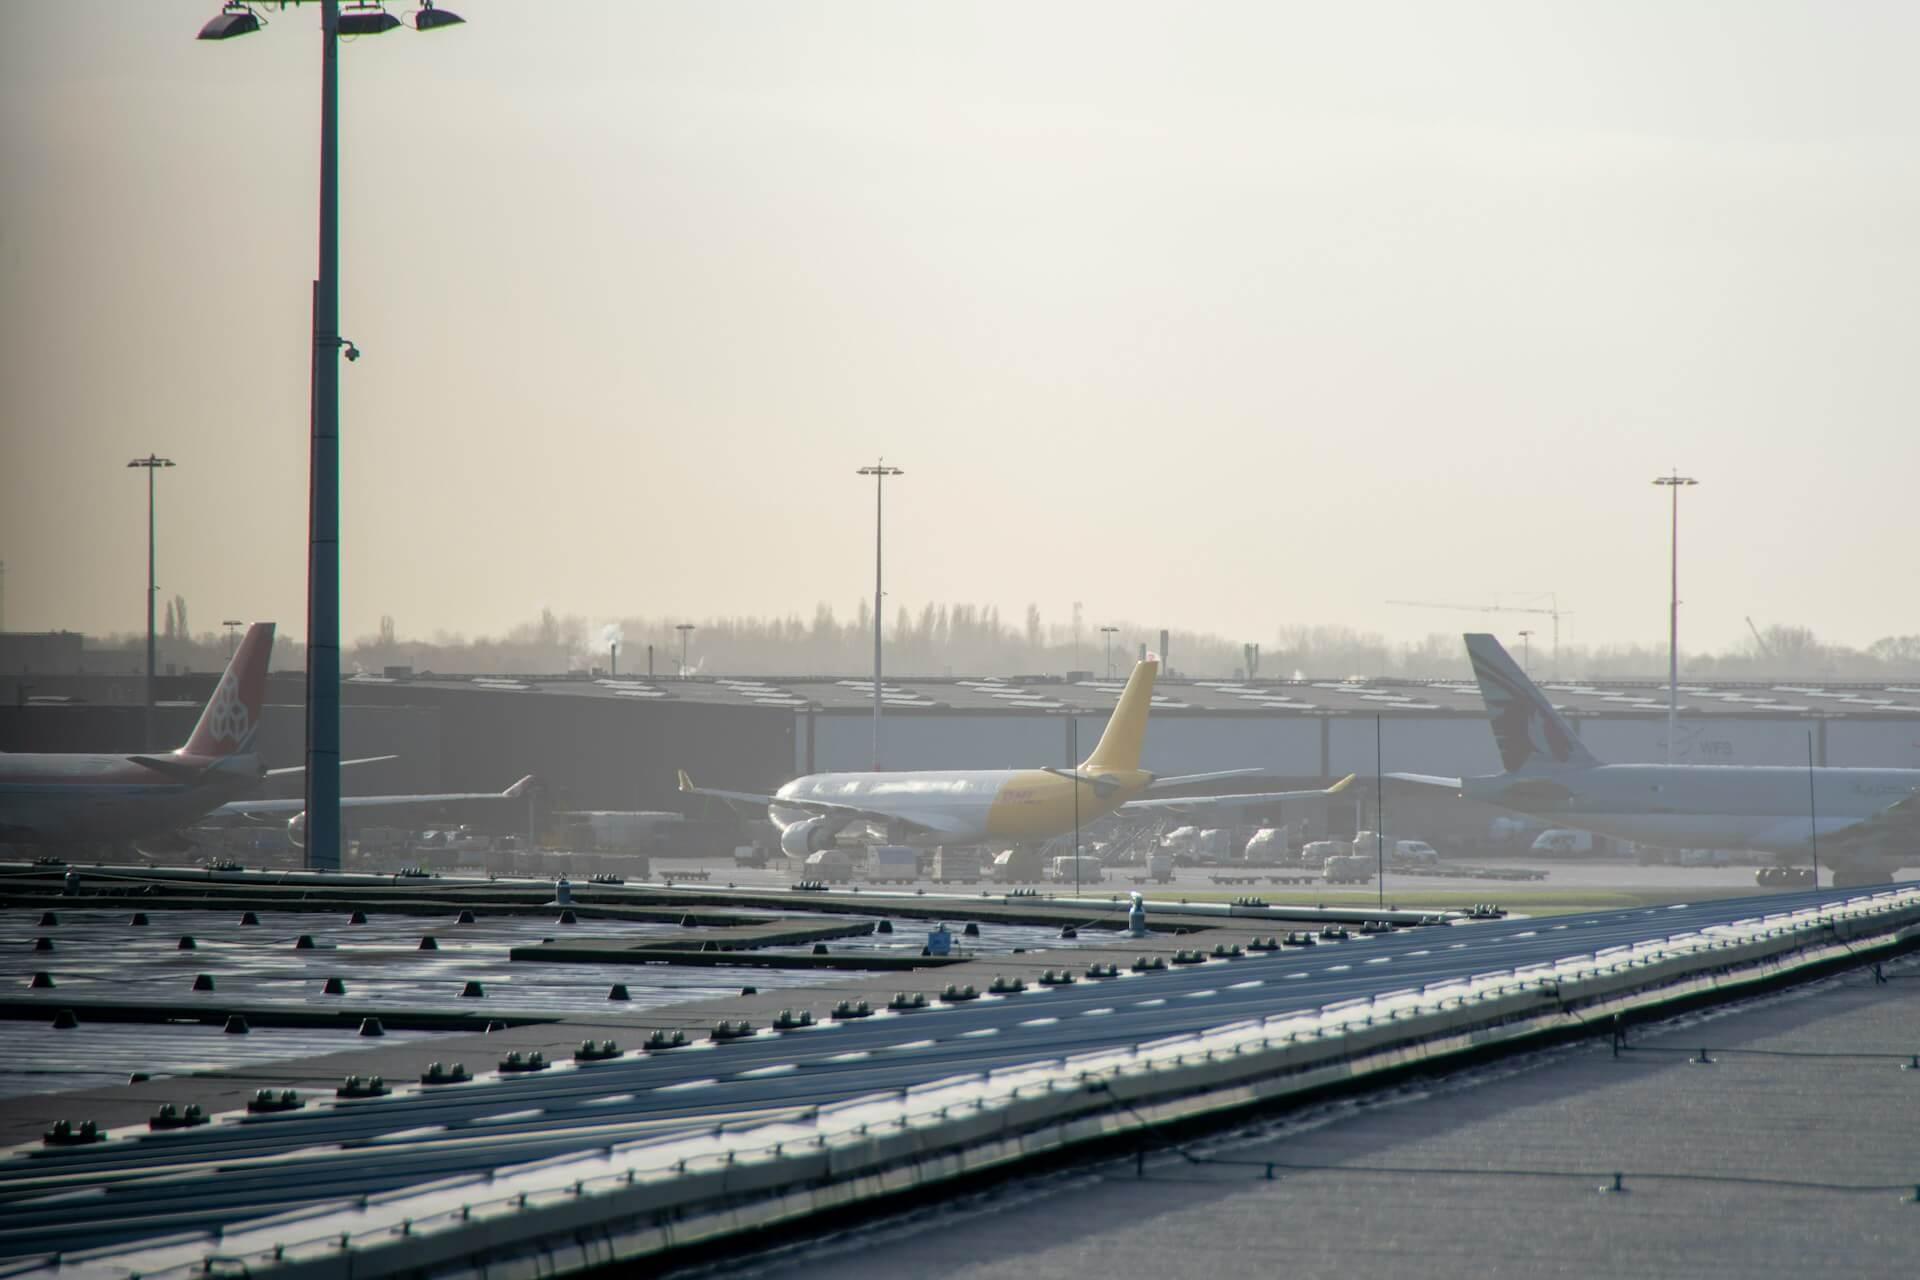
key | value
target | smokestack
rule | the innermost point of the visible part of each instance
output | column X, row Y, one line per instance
column 649, row 662
column 612, row 636
column 1166, row 658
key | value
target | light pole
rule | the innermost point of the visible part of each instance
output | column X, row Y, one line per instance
column 323, row 501
column 1674, row 482
column 879, row 471
column 1526, row 651
column 1074, row 764
column 1108, row 632
column 684, row 628
column 152, row 463
column 233, row 626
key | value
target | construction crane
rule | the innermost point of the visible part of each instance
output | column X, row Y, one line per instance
column 1553, row 610
column 1765, row 651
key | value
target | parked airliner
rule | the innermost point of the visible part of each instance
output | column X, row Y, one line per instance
column 978, row 806
column 1866, row 821
column 78, row 801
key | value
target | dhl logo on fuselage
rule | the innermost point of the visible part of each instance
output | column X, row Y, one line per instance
column 1039, row 805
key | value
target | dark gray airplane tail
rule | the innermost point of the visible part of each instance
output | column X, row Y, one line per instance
column 1531, row 735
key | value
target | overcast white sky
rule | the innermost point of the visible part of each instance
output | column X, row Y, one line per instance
column 1222, row 317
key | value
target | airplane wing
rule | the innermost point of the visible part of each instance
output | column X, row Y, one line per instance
column 1197, row 779
column 185, row 771
column 1895, row 827
column 1104, row 786
column 295, row 804
column 732, row 797
column 1185, row 806
column 344, row 764
column 1427, row 780
column 825, row 808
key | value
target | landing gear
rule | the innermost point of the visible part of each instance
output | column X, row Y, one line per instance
column 1859, row 878
column 1786, row 878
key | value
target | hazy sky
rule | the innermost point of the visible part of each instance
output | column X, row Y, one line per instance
column 1222, row 317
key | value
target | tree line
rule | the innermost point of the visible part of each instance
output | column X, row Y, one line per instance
column 969, row 639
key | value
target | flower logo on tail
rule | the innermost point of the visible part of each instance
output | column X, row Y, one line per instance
column 227, row 716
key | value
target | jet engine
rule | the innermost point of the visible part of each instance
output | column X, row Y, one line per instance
column 810, row 835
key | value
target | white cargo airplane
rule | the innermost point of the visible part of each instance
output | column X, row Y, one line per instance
column 978, row 806
column 1867, row 821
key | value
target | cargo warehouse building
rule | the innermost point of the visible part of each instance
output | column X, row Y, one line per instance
column 616, row 743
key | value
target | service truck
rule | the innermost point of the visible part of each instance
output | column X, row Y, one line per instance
column 958, row 865
column 829, row 865
column 1019, row 865
column 1267, row 847
column 893, row 862
column 1347, row 869
column 1085, row 869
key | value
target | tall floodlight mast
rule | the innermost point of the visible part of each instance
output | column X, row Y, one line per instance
column 879, row 471
column 363, row 18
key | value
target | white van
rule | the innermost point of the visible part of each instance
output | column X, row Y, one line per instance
column 1412, row 853
column 1563, row 840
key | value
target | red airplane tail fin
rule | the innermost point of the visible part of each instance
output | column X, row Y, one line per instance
column 231, row 718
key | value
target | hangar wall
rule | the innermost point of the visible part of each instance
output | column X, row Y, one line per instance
column 595, row 752
column 1892, row 743
column 1292, row 745
column 1720, row 740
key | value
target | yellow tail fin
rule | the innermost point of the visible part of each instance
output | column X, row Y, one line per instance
column 1120, row 745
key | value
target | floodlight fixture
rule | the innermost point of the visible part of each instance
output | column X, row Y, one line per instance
column 232, row 20
column 432, row 19
column 366, row 20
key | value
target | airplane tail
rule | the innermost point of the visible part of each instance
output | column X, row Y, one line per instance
column 1119, row 747
column 231, row 719
column 1526, row 728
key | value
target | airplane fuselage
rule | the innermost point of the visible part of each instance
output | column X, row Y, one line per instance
column 1771, row 808
column 967, row 806
column 79, row 799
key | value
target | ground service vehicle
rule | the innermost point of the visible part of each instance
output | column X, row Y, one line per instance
column 1267, row 848
column 1088, row 871
column 830, row 865
column 1348, row 869
column 894, row 862
column 1412, row 853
